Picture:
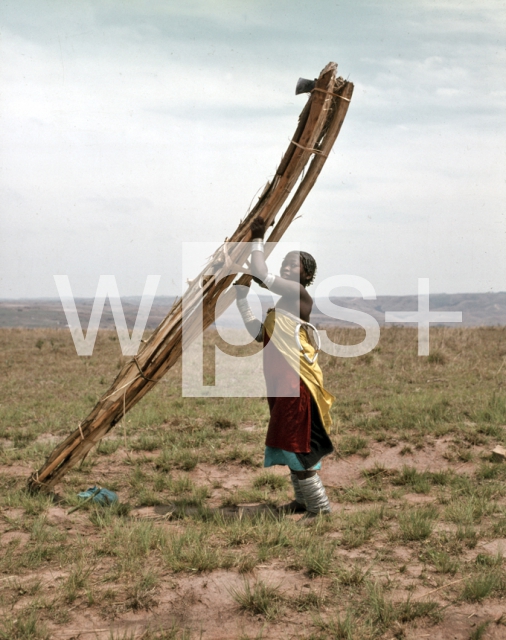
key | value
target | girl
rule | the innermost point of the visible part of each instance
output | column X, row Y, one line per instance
column 299, row 405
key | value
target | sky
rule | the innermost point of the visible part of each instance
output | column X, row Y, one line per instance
column 129, row 128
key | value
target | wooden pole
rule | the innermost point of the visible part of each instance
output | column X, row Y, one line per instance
column 318, row 127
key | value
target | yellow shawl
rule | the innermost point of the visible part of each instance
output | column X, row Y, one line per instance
column 280, row 326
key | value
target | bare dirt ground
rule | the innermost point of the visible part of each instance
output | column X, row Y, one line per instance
column 203, row 601
column 414, row 547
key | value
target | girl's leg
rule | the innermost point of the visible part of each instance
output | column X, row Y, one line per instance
column 313, row 492
column 297, row 505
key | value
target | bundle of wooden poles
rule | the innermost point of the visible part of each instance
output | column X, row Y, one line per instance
column 318, row 127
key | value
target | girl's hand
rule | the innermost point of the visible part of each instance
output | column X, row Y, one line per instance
column 241, row 291
column 257, row 228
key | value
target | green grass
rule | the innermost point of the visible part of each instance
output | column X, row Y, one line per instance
column 481, row 585
column 467, row 535
column 370, row 617
column 360, row 526
column 417, row 524
column 352, row 575
column 259, row 598
column 416, row 481
column 443, row 562
column 480, row 630
column 346, row 626
column 350, row 444
column 318, row 558
column 140, row 593
column 76, row 582
column 468, row 510
column 25, row 625
column 270, row 481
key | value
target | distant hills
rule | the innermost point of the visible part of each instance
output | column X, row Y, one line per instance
column 478, row 309
column 48, row 313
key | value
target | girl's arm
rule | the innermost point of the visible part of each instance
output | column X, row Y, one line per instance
column 280, row 286
column 252, row 324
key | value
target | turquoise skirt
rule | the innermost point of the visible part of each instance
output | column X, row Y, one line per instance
column 275, row 456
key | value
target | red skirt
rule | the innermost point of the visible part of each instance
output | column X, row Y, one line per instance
column 289, row 403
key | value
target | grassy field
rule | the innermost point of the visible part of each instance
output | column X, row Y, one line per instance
column 413, row 549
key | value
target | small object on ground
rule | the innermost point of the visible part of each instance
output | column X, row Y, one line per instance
column 98, row 495
column 88, row 498
column 499, row 454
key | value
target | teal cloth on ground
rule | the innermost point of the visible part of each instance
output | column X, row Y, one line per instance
column 275, row 456
column 103, row 496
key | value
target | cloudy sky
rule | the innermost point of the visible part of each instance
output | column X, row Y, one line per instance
column 128, row 128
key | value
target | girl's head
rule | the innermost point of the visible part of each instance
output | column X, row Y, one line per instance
column 299, row 266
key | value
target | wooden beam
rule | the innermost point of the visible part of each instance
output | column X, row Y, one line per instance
column 318, row 127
